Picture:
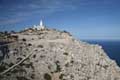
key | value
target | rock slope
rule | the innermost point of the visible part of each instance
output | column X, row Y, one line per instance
column 55, row 55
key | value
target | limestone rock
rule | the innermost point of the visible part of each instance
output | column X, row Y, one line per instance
column 56, row 56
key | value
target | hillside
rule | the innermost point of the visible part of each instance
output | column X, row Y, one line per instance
column 51, row 54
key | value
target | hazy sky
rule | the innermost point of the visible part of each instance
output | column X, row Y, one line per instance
column 85, row 19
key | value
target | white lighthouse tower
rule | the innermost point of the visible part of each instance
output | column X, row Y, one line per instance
column 41, row 26
column 41, row 23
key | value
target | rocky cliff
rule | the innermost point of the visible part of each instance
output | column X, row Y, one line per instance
column 55, row 55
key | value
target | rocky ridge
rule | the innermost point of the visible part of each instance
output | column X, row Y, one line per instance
column 55, row 55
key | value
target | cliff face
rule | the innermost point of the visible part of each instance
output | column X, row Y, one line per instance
column 54, row 55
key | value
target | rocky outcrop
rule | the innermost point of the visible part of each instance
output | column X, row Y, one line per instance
column 55, row 55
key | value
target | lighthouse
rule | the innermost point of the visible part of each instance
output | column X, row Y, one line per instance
column 41, row 26
column 41, row 23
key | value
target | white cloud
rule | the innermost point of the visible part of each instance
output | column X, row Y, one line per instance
column 10, row 21
column 24, row 8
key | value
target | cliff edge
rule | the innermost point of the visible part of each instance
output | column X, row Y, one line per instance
column 55, row 55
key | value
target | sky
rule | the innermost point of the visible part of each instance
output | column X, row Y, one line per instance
column 85, row 19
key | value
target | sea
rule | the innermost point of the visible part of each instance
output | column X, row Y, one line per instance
column 112, row 48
